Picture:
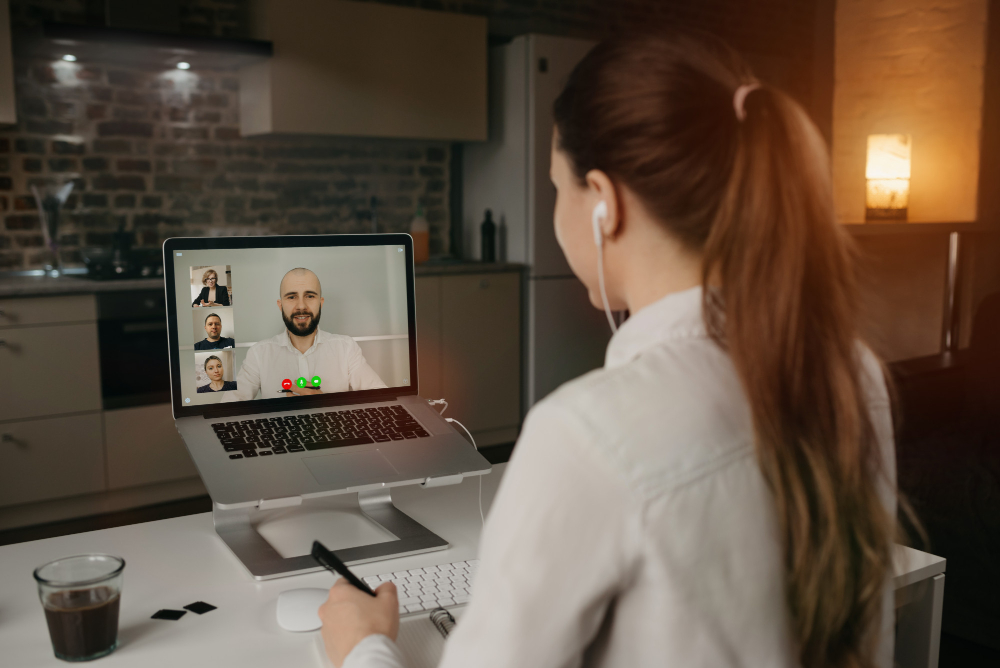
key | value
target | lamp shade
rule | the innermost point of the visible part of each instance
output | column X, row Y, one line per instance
column 888, row 177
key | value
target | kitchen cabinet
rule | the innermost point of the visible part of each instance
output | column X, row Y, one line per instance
column 47, row 311
column 51, row 458
column 428, row 303
column 8, row 110
column 143, row 447
column 48, row 357
column 63, row 455
column 366, row 69
column 471, row 340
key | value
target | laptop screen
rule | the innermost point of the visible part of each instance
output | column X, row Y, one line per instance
column 293, row 321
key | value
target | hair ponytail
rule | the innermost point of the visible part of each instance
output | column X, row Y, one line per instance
column 656, row 114
column 785, row 310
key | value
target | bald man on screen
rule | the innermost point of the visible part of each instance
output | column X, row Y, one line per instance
column 303, row 350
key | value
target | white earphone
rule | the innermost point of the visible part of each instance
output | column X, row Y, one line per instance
column 600, row 213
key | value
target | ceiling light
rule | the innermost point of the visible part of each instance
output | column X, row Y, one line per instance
column 183, row 66
column 69, row 58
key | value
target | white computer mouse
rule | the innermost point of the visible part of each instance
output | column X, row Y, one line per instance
column 298, row 609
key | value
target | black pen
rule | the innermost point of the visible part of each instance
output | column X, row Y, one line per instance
column 329, row 560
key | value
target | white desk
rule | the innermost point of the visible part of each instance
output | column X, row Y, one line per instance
column 171, row 563
column 919, row 585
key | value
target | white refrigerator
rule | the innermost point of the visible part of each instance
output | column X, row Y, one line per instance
column 564, row 335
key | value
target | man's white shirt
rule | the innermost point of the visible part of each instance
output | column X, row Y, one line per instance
column 335, row 358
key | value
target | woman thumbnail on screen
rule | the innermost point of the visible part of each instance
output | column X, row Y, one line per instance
column 214, row 371
column 211, row 286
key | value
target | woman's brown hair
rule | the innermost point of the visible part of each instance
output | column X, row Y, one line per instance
column 209, row 272
column 656, row 113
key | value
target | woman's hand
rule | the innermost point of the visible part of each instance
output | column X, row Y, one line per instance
column 350, row 615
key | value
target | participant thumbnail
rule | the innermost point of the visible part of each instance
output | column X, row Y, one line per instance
column 211, row 286
column 214, row 371
column 214, row 331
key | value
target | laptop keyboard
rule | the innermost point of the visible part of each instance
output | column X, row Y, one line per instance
column 316, row 431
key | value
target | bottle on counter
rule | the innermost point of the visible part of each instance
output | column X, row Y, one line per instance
column 421, row 233
column 488, row 234
column 502, row 240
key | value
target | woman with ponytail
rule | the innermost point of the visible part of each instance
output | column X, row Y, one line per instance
column 722, row 492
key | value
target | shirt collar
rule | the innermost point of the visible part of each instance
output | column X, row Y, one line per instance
column 675, row 316
column 286, row 341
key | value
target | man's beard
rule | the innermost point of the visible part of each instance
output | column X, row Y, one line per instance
column 304, row 330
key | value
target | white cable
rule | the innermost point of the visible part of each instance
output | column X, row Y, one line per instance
column 481, row 515
column 466, row 431
column 436, row 402
column 604, row 294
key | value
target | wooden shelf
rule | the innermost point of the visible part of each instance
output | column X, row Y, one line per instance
column 866, row 229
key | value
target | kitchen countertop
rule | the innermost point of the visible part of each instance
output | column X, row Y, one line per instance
column 12, row 285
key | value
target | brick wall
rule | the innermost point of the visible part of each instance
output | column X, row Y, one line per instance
column 160, row 154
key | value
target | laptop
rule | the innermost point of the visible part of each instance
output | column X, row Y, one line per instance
column 293, row 369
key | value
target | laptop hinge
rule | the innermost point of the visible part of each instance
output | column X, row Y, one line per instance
column 287, row 502
column 442, row 481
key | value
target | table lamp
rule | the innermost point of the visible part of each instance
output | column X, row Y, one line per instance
column 888, row 177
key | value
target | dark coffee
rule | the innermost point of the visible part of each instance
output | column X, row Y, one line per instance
column 82, row 622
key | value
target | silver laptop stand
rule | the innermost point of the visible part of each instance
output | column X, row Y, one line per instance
column 235, row 527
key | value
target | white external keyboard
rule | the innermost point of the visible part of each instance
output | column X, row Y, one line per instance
column 421, row 589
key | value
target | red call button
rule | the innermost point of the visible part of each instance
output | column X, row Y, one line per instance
column 286, row 384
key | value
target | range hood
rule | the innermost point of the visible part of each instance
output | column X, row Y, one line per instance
column 141, row 48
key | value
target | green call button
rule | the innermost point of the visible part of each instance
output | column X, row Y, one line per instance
column 316, row 381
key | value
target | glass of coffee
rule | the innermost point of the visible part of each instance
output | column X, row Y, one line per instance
column 81, row 596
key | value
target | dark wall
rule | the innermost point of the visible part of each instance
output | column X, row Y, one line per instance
column 159, row 152
column 989, row 165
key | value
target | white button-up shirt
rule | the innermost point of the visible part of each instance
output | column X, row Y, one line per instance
column 335, row 358
column 633, row 526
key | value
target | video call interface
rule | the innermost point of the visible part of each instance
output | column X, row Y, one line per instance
column 266, row 323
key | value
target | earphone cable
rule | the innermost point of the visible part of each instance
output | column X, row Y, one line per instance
column 600, row 282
